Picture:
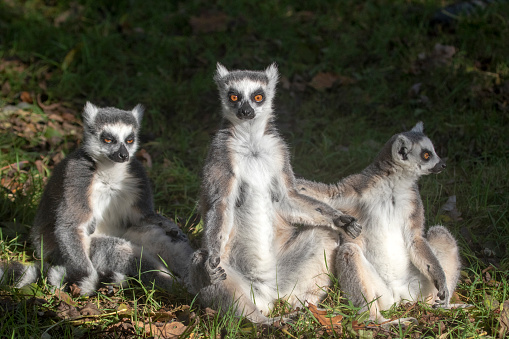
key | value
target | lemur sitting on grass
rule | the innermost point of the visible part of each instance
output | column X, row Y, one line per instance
column 393, row 260
column 250, row 206
column 96, row 220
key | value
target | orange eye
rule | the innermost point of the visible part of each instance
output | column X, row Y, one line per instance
column 233, row 97
column 108, row 141
column 129, row 141
column 426, row 156
column 258, row 97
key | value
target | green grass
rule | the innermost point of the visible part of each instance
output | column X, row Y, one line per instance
column 127, row 53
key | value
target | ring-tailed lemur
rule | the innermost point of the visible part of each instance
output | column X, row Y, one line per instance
column 392, row 260
column 96, row 220
column 249, row 201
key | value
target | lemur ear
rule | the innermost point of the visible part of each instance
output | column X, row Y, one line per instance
column 90, row 112
column 272, row 73
column 401, row 147
column 138, row 113
column 419, row 127
column 221, row 71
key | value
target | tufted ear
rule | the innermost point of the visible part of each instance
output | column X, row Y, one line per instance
column 401, row 147
column 89, row 113
column 221, row 71
column 272, row 73
column 138, row 113
column 419, row 127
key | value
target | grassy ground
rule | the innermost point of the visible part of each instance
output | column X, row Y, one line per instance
column 353, row 74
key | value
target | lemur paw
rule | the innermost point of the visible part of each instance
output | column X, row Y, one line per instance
column 443, row 298
column 176, row 235
column 171, row 229
column 349, row 224
column 215, row 271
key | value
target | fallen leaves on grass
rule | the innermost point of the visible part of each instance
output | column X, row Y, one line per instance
column 331, row 324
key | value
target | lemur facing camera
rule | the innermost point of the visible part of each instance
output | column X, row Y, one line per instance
column 96, row 220
column 392, row 260
column 249, row 202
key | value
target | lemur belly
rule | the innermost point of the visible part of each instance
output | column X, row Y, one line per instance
column 112, row 198
column 385, row 246
column 252, row 249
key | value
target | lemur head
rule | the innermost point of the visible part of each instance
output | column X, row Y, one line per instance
column 414, row 152
column 246, row 95
column 111, row 133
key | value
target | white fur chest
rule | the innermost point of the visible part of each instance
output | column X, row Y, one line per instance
column 113, row 193
column 386, row 215
column 257, row 160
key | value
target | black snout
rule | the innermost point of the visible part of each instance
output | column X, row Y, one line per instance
column 439, row 167
column 245, row 112
column 122, row 155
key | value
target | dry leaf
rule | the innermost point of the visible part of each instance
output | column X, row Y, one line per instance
column 332, row 324
column 163, row 330
column 323, row 81
column 90, row 309
column 26, row 97
column 209, row 22
column 63, row 296
column 75, row 290
column 66, row 311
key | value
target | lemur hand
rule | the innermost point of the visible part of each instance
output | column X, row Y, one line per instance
column 349, row 224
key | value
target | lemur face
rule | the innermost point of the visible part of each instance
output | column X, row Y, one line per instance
column 246, row 95
column 111, row 133
column 414, row 151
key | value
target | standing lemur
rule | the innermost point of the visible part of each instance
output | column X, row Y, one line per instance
column 96, row 220
column 249, row 202
column 392, row 260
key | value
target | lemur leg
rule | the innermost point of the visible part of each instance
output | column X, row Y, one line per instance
column 234, row 292
column 171, row 245
column 304, row 266
column 116, row 258
column 361, row 282
column 445, row 248
column 172, row 248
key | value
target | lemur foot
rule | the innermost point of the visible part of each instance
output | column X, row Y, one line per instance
column 215, row 271
column 349, row 224
column 171, row 229
column 443, row 299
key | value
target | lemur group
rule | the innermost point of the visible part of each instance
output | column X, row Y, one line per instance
column 266, row 234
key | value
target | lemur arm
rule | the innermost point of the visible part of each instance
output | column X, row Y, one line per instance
column 218, row 198
column 337, row 195
column 426, row 262
column 304, row 209
column 316, row 190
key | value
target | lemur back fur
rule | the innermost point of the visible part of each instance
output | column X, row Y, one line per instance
column 392, row 260
column 249, row 203
column 96, row 220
